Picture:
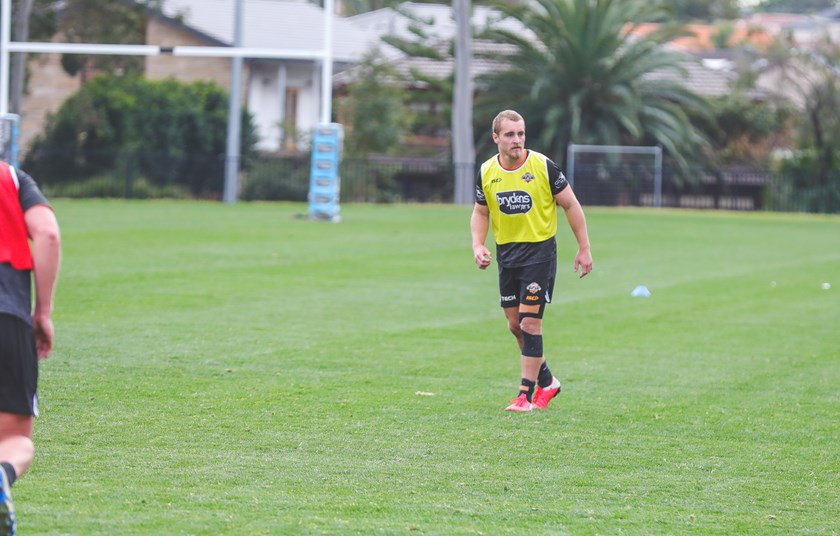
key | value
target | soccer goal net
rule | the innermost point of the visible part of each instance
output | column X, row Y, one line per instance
column 615, row 174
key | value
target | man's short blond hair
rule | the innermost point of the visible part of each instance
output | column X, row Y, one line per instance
column 505, row 114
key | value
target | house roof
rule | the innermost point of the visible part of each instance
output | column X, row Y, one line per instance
column 702, row 36
column 404, row 65
column 390, row 21
column 710, row 77
column 777, row 22
column 285, row 25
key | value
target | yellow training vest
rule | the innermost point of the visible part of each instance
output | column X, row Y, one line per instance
column 522, row 207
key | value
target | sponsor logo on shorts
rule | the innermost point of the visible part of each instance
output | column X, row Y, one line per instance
column 532, row 298
column 510, row 298
column 514, row 202
column 533, row 288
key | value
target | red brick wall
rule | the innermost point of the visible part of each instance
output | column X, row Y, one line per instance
column 47, row 88
column 185, row 68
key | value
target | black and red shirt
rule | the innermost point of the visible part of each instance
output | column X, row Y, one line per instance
column 18, row 193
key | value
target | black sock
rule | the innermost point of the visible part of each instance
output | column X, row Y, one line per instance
column 11, row 474
column 545, row 378
column 527, row 387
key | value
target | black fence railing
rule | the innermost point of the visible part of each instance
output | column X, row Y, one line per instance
column 730, row 189
column 387, row 179
column 378, row 179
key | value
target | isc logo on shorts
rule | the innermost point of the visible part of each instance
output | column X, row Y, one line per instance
column 514, row 202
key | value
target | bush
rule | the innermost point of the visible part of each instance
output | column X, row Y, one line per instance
column 804, row 185
column 281, row 179
column 110, row 186
column 178, row 132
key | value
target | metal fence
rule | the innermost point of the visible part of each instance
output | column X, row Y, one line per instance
column 386, row 179
column 729, row 189
column 636, row 185
column 378, row 179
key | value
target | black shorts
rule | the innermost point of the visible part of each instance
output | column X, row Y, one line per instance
column 527, row 285
column 18, row 367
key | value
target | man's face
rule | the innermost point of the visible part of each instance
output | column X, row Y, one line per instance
column 511, row 139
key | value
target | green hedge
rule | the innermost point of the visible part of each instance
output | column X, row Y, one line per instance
column 177, row 130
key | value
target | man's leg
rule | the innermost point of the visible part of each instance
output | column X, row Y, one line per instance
column 536, row 285
column 529, row 337
column 16, row 454
column 512, row 316
column 536, row 295
column 18, row 406
column 532, row 351
column 16, row 447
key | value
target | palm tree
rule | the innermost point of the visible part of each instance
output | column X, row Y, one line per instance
column 580, row 75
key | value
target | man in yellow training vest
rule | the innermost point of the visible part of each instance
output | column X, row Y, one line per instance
column 518, row 191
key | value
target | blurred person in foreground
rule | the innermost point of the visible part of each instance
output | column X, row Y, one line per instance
column 26, row 329
column 517, row 191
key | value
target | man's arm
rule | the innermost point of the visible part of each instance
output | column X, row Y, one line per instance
column 479, row 226
column 46, row 256
column 577, row 221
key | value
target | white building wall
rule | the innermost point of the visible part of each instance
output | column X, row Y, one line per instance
column 264, row 106
column 266, row 102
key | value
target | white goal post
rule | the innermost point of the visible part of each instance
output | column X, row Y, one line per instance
column 574, row 150
column 325, row 56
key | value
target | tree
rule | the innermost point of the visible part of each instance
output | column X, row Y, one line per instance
column 579, row 77
column 102, row 21
column 819, row 137
column 807, row 79
column 355, row 7
column 706, row 10
column 89, row 21
column 374, row 108
column 745, row 132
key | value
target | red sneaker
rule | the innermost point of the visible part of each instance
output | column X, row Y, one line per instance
column 543, row 396
column 520, row 403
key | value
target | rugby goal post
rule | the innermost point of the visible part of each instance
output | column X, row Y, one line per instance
column 237, row 52
column 591, row 162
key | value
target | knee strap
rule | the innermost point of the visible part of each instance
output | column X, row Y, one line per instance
column 532, row 345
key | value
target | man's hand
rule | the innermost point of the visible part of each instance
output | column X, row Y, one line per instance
column 43, row 327
column 482, row 256
column 583, row 261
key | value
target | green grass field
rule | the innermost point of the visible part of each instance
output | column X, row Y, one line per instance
column 237, row 369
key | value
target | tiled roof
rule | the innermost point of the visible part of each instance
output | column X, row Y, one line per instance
column 707, row 77
column 389, row 21
column 433, row 68
column 702, row 35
